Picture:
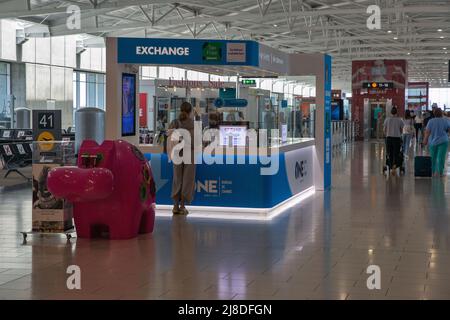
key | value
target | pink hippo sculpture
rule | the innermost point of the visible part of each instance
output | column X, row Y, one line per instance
column 112, row 190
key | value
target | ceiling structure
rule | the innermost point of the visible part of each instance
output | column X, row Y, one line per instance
column 416, row 30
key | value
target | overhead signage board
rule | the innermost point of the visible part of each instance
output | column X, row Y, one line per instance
column 234, row 103
column 378, row 85
column 273, row 60
column 229, row 93
column 187, row 51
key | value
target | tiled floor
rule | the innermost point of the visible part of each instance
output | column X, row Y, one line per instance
column 320, row 249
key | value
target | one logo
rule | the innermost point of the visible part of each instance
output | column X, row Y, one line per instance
column 214, row 187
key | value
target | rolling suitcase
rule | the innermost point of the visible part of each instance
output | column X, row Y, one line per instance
column 422, row 166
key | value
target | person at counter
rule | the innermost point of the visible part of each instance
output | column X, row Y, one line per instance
column 183, row 183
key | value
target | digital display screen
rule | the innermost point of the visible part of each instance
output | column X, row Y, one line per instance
column 335, row 112
column 128, row 104
column 233, row 135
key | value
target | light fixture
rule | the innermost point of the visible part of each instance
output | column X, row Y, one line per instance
column 441, row 37
column 444, row 48
column 409, row 53
column 439, row 30
column 275, row 25
column 395, row 38
column 389, row 31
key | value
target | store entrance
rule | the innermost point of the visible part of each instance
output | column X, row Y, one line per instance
column 377, row 117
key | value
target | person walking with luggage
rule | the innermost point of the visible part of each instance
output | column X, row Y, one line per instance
column 436, row 137
column 183, row 183
column 393, row 130
column 408, row 132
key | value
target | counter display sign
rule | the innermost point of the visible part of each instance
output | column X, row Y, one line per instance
column 284, row 133
column 233, row 136
column 378, row 85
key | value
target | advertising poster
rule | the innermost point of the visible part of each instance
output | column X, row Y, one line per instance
column 143, row 109
column 128, row 104
column 49, row 214
column 327, row 124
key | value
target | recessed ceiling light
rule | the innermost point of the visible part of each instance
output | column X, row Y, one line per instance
column 395, row 38
column 275, row 25
column 439, row 30
column 441, row 37
column 409, row 53
column 389, row 31
column 444, row 48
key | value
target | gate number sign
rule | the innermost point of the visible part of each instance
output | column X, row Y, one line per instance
column 46, row 120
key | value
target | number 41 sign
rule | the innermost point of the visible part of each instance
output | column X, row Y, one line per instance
column 47, row 125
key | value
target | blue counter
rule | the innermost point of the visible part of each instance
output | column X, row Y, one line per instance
column 242, row 185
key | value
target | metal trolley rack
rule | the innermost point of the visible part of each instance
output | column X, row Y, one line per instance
column 62, row 152
column 69, row 234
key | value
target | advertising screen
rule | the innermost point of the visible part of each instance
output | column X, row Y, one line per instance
column 128, row 104
column 237, row 134
column 335, row 111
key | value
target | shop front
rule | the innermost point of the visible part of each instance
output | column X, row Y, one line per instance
column 247, row 176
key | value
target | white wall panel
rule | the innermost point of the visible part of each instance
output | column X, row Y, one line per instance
column 58, row 51
column 57, row 83
column 43, row 53
column 43, row 88
column 71, row 54
column 30, row 70
column 28, row 50
column 8, row 40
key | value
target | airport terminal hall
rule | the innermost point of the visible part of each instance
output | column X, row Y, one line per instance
column 218, row 158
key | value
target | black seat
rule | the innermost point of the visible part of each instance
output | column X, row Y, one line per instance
column 14, row 157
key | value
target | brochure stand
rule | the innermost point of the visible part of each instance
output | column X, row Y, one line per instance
column 51, row 216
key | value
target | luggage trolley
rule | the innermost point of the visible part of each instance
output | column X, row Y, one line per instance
column 387, row 170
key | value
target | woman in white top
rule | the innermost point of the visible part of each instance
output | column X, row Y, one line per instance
column 408, row 132
column 418, row 124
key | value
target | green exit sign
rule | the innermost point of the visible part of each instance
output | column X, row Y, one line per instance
column 249, row 82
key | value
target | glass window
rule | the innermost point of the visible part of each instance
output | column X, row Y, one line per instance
column 88, row 90
column 5, row 94
column 441, row 96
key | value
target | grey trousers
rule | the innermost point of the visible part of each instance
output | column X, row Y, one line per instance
column 183, row 183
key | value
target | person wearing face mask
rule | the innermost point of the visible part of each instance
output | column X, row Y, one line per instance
column 183, row 183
